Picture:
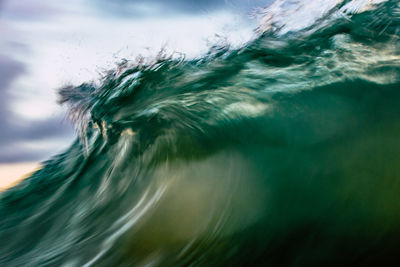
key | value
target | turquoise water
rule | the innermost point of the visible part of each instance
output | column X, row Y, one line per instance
column 284, row 152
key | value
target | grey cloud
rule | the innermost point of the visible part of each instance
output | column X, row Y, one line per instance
column 9, row 70
column 15, row 141
column 27, row 130
column 17, row 153
column 52, row 127
column 15, row 131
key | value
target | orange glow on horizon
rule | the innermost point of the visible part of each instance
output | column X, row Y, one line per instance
column 12, row 173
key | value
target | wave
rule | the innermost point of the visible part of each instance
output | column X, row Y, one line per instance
column 282, row 152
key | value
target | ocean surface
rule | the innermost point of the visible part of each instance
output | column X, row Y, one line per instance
column 283, row 152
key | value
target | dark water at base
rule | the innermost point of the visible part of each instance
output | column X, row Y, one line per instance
column 284, row 152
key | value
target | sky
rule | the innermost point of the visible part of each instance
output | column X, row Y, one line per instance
column 47, row 44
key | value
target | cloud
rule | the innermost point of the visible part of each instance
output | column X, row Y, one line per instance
column 140, row 8
column 18, row 134
column 30, row 9
column 9, row 71
column 31, row 150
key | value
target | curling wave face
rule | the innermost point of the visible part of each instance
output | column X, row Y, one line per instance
column 283, row 152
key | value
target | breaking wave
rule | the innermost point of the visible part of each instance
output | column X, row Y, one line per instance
column 284, row 152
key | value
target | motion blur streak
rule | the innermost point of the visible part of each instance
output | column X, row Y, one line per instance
column 284, row 152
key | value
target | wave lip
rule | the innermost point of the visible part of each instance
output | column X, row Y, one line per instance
column 292, row 16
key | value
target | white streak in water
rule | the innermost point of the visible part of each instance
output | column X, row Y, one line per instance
column 127, row 221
